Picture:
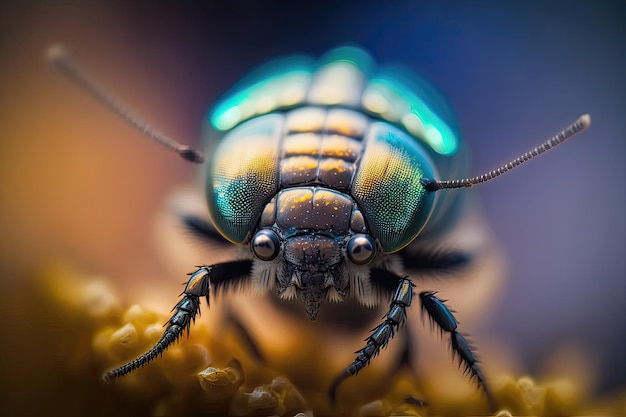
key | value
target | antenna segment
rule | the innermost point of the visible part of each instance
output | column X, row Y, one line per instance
column 58, row 56
column 578, row 126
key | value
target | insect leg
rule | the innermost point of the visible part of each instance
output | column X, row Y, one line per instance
column 380, row 336
column 440, row 314
column 186, row 310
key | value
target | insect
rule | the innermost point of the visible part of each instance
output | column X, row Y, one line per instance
column 328, row 174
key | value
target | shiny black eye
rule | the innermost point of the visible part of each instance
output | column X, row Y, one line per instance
column 265, row 244
column 361, row 249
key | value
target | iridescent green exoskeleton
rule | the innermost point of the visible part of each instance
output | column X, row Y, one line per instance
column 321, row 171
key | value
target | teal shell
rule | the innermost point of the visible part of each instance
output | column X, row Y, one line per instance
column 336, row 124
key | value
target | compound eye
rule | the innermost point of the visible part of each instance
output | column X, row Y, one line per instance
column 265, row 244
column 361, row 249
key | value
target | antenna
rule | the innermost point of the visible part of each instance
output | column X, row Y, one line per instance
column 578, row 126
column 58, row 56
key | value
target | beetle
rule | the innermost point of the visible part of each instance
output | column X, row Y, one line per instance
column 328, row 173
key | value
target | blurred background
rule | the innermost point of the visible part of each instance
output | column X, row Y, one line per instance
column 77, row 183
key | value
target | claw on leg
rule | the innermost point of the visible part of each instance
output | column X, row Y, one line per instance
column 199, row 285
column 184, row 313
column 442, row 316
column 380, row 336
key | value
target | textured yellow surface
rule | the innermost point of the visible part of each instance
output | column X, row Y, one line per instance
column 99, row 332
